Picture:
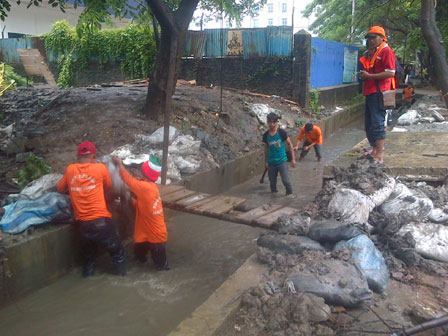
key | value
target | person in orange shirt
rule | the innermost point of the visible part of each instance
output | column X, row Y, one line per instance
column 313, row 138
column 86, row 182
column 150, row 232
column 408, row 94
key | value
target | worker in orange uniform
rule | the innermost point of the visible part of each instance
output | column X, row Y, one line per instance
column 150, row 232
column 409, row 94
column 86, row 182
column 313, row 138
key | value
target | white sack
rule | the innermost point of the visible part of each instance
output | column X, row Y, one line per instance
column 188, row 165
column 431, row 240
column 408, row 118
column 184, row 145
column 402, row 200
column 351, row 205
column 438, row 216
column 379, row 196
column 41, row 186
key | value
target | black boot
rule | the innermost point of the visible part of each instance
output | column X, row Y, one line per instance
column 88, row 269
column 121, row 268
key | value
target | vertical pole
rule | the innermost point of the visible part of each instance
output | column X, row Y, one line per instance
column 166, row 106
column 352, row 28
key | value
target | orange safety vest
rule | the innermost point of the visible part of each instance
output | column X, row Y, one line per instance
column 368, row 63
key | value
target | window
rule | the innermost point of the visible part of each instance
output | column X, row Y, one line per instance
column 284, row 7
column 255, row 23
column 270, row 22
column 270, row 8
column 284, row 22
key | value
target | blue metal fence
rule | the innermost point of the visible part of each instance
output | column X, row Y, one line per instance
column 9, row 46
column 332, row 63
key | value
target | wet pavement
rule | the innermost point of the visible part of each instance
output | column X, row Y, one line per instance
column 202, row 253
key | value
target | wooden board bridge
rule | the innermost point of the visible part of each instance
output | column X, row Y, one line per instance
column 223, row 207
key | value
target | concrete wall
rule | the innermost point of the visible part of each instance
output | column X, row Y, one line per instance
column 333, row 95
column 44, row 257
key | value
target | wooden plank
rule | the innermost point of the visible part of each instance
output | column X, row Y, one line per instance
column 249, row 216
column 177, row 195
column 192, row 199
column 221, row 206
column 200, row 203
column 270, row 219
column 168, row 189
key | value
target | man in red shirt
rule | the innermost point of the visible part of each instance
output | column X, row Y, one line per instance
column 379, row 72
column 86, row 182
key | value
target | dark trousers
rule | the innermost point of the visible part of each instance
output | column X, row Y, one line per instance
column 273, row 171
column 374, row 119
column 102, row 232
column 158, row 253
column 317, row 150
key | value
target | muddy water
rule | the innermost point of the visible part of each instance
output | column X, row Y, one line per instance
column 202, row 253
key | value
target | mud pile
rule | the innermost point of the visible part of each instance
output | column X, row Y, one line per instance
column 294, row 263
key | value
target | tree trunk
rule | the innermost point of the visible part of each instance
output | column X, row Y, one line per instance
column 158, row 81
column 435, row 45
column 174, row 25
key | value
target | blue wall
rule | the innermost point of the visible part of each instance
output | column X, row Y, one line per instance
column 327, row 62
column 9, row 46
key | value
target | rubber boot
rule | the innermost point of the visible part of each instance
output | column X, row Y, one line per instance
column 121, row 268
column 88, row 269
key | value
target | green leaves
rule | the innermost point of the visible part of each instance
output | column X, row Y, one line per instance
column 133, row 46
column 35, row 167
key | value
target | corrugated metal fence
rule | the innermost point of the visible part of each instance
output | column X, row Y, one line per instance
column 252, row 42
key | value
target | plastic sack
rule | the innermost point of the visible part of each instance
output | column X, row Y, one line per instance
column 187, row 165
column 438, row 216
column 51, row 207
column 42, row 185
column 185, row 145
column 379, row 196
column 351, row 205
column 288, row 244
column 343, row 284
column 154, row 140
column 332, row 231
column 403, row 201
column 431, row 240
column 118, row 186
column 370, row 261
column 294, row 225
column 408, row 118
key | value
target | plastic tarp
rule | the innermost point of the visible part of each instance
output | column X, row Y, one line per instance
column 403, row 201
column 431, row 240
column 51, row 207
column 342, row 284
column 370, row 261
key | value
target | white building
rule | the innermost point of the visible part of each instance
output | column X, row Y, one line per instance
column 37, row 20
column 274, row 13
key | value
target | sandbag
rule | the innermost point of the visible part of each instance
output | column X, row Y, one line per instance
column 403, row 201
column 42, row 185
column 332, row 231
column 351, row 205
column 185, row 145
column 343, row 284
column 431, row 240
column 51, row 207
column 118, row 186
column 370, row 261
column 288, row 244
column 408, row 118
column 378, row 197
column 438, row 216
column 294, row 225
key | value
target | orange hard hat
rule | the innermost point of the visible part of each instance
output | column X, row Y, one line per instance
column 377, row 30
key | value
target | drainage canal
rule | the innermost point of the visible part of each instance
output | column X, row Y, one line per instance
column 202, row 253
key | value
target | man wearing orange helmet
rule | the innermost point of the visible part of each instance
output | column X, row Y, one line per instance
column 378, row 75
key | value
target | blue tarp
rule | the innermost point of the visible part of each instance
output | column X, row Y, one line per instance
column 51, row 207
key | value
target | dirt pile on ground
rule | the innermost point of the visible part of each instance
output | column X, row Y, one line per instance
column 415, row 283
